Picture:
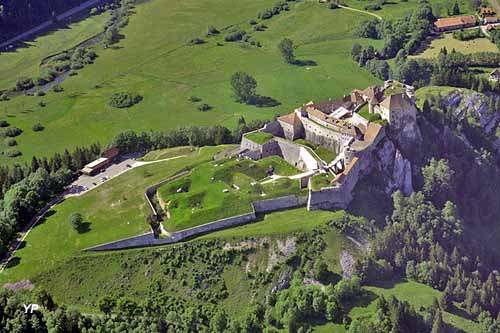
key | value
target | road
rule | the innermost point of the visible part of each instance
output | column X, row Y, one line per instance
column 46, row 24
column 80, row 186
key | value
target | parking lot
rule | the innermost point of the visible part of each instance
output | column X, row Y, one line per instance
column 85, row 183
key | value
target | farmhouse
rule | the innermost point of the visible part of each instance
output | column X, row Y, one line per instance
column 453, row 23
column 491, row 19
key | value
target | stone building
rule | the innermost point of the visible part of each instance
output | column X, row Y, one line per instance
column 397, row 109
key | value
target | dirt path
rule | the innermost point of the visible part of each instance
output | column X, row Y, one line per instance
column 365, row 12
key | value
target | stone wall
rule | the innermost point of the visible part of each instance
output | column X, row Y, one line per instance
column 148, row 239
column 322, row 136
column 272, row 205
column 329, row 198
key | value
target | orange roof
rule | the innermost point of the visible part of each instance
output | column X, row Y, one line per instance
column 449, row 22
column 111, row 153
column 290, row 118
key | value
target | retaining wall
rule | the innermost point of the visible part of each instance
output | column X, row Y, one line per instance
column 149, row 239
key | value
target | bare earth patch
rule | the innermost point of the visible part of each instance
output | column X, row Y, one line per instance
column 21, row 285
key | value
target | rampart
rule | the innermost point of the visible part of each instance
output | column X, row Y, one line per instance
column 258, row 207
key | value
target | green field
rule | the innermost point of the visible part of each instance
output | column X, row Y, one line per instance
column 466, row 47
column 114, row 210
column 155, row 62
column 398, row 9
column 223, row 189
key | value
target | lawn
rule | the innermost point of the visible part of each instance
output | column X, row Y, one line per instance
column 259, row 137
column 321, row 180
column 323, row 153
column 223, row 189
column 466, row 47
column 155, row 62
column 114, row 210
column 373, row 117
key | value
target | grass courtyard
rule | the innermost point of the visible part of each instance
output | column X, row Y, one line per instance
column 156, row 62
column 115, row 210
column 221, row 189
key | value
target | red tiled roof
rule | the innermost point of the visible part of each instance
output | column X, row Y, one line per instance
column 290, row 118
column 111, row 153
column 457, row 21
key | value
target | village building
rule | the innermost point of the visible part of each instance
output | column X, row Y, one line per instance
column 491, row 20
column 106, row 159
column 397, row 109
column 454, row 23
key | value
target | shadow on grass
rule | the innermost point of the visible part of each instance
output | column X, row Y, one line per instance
column 13, row 262
column 45, row 217
column 264, row 101
column 305, row 63
column 386, row 284
column 85, row 227
column 22, row 245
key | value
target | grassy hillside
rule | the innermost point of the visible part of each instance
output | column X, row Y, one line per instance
column 114, row 210
column 154, row 61
column 466, row 47
column 25, row 61
column 134, row 273
column 417, row 294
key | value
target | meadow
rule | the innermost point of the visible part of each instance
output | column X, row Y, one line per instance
column 223, row 189
column 155, row 61
column 465, row 47
column 116, row 209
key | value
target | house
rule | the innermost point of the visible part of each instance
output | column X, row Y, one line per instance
column 454, row 23
column 292, row 126
column 491, row 19
column 486, row 11
column 495, row 75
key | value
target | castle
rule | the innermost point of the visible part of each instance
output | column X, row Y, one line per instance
column 337, row 126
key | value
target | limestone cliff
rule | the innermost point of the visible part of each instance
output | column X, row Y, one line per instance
column 396, row 168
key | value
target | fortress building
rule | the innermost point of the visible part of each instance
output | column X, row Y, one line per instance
column 336, row 126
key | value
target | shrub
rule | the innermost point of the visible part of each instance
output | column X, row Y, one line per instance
column 252, row 22
column 212, row 30
column 204, row 107
column 11, row 142
column 76, row 220
column 235, row 36
column 124, row 99
column 196, row 41
column 37, row 127
column 73, row 73
column 40, row 93
column 24, row 83
column 57, row 88
column 4, row 123
column 333, row 6
column 13, row 153
column 39, row 81
column 194, row 99
column 13, row 132
column 259, row 27
column 41, row 104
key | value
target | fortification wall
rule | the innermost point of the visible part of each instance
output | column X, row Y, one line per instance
column 274, row 128
column 272, row 205
column 249, row 144
column 329, row 198
column 322, row 136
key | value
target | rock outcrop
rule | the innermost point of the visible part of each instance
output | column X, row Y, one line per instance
column 396, row 169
